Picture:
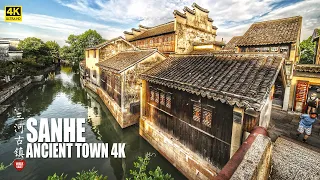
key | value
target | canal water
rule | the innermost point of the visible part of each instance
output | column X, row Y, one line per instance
column 62, row 96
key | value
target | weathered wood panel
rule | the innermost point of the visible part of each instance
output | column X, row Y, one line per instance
column 211, row 142
column 164, row 43
column 110, row 83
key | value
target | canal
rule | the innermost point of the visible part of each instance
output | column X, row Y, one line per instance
column 63, row 96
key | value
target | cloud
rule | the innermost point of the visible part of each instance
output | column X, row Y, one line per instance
column 309, row 10
column 53, row 28
column 231, row 17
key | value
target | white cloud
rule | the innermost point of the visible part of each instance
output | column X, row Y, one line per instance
column 309, row 10
column 53, row 28
column 230, row 16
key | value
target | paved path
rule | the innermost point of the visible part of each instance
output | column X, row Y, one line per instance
column 292, row 159
column 285, row 124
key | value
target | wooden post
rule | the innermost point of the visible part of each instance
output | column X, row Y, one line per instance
column 237, row 124
column 143, row 97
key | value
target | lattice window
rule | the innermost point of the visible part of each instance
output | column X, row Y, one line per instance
column 162, row 98
column 156, row 97
column 196, row 112
column 168, row 101
column 152, row 95
column 207, row 117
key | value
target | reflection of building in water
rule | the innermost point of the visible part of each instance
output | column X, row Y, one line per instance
column 94, row 115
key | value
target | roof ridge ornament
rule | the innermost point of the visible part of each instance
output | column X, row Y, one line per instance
column 195, row 5
column 176, row 12
column 186, row 9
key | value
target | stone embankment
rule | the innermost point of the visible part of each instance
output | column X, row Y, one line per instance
column 14, row 88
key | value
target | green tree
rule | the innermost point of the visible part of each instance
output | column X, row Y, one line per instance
column 36, row 50
column 53, row 49
column 307, row 48
column 78, row 44
column 65, row 53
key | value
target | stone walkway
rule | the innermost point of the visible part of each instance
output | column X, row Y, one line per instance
column 285, row 124
column 292, row 159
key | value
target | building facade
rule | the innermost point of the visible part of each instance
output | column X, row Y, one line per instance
column 280, row 36
column 177, row 36
column 206, row 105
column 316, row 39
column 111, row 70
column 8, row 49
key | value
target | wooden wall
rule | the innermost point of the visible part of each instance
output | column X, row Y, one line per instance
column 111, row 83
column 164, row 43
column 212, row 143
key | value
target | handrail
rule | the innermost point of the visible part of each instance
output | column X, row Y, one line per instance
column 232, row 165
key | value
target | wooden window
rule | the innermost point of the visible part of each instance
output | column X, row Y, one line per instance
column 94, row 73
column 94, row 53
column 284, row 49
column 207, row 117
column 274, row 49
column 151, row 41
column 168, row 100
column 265, row 49
column 156, row 96
column 88, row 53
column 196, row 111
column 152, row 95
column 169, row 39
column 162, row 98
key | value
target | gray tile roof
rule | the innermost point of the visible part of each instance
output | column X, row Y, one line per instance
column 125, row 59
column 277, row 31
column 235, row 79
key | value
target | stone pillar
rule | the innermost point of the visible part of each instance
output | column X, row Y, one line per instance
column 236, row 136
column 143, row 97
column 286, row 97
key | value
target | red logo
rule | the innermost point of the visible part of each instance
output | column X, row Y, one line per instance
column 19, row 164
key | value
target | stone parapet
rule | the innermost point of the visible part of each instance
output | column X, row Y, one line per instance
column 256, row 162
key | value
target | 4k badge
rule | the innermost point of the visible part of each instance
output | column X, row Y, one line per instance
column 13, row 13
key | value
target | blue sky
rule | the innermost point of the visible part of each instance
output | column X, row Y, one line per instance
column 56, row 19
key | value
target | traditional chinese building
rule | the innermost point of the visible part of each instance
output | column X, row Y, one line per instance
column 8, row 49
column 195, row 110
column 191, row 28
column 316, row 39
column 231, row 45
column 102, row 52
column 112, row 70
column 305, row 81
column 280, row 36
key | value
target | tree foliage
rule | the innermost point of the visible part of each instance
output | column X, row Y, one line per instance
column 53, row 49
column 78, row 43
column 140, row 173
column 36, row 50
column 141, row 168
column 307, row 48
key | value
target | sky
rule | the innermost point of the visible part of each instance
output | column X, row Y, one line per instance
column 57, row 19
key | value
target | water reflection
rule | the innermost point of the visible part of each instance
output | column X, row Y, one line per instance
column 62, row 96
